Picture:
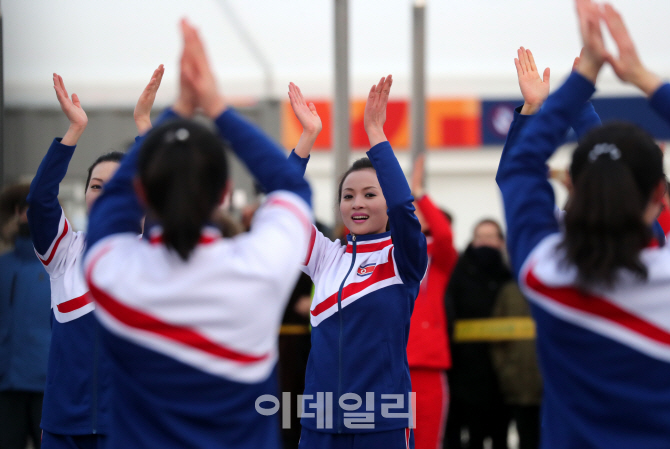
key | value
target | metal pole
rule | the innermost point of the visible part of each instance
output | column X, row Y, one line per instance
column 418, row 105
column 341, row 140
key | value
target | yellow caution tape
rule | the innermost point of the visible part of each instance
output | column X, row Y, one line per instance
column 294, row 329
column 494, row 329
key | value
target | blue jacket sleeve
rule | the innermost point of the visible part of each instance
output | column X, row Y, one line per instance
column 528, row 197
column 515, row 128
column 660, row 101
column 118, row 210
column 44, row 211
column 409, row 242
column 586, row 120
column 299, row 162
column 265, row 160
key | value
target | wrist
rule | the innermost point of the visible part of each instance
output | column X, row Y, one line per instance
column 143, row 124
column 376, row 136
column 529, row 108
column 589, row 69
column 647, row 82
column 215, row 107
column 183, row 108
column 72, row 135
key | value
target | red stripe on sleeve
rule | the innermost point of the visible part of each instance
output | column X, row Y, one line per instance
column 76, row 303
column 312, row 238
column 53, row 251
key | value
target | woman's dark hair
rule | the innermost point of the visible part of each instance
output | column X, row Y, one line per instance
column 492, row 222
column 361, row 164
column 112, row 156
column 614, row 171
column 183, row 169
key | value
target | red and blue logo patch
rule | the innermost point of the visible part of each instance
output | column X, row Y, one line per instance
column 366, row 270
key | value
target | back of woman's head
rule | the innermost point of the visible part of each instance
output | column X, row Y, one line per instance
column 614, row 171
column 183, row 170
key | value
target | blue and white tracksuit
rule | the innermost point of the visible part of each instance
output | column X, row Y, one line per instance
column 604, row 353
column 193, row 343
column 360, row 315
column 77, row 392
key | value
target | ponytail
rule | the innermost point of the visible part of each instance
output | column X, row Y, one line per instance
column 614, row 170
column 183, row 170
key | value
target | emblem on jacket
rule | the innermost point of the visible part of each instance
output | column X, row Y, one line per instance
column 366, row 270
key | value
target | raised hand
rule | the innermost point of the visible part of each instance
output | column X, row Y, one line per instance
column 594, row 53
column 73, row 111
column 197, row 74
column 308, row 118
column 533, row 88
column 418, row 176
column 375, row 110
column 628, row 66
column 142, row 113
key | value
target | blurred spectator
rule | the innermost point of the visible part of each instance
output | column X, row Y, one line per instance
column 25, row 331
column 515, row 362
column 476, row 404
column 428, row 347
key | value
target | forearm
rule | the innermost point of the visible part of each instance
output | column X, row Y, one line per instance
column 44, row 211
column 264, row 159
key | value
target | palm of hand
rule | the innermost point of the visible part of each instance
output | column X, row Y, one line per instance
column 309, row 119
column 533, row 89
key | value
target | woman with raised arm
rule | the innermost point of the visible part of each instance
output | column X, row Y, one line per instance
column 190, row 319
column 598, row 289
column 357, row 387
column 77, row 392
column 428, row 352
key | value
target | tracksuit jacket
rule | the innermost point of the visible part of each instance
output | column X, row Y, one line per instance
column 193, row 344
column 604, row 353
column 360, row 315
column 77, row 392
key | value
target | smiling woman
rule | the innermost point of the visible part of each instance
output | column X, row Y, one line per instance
column 375, row 277
column 362, row 202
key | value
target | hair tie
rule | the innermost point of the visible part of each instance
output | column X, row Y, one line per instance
column 604, row 148
column 180, row 135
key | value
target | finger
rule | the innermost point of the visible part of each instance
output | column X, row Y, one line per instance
column 545, row 75
column 523, row 59
column 576, row 63
column 159, row 77
column 75, row 100
column 62, row 86
column 313, row 109
column 386, row 89
column 520, row 69
column 301, row 99
column 617, row 28
column 379, row 87
column 531, row 60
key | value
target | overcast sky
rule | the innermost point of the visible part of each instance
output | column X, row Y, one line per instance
column 106, row 51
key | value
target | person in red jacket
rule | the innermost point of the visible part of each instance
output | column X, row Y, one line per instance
column 428, row 346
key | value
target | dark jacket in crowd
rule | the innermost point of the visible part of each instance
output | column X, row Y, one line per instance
column 25, row 311
column 475, row 283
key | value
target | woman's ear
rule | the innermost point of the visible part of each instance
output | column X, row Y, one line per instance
column 140, row 192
